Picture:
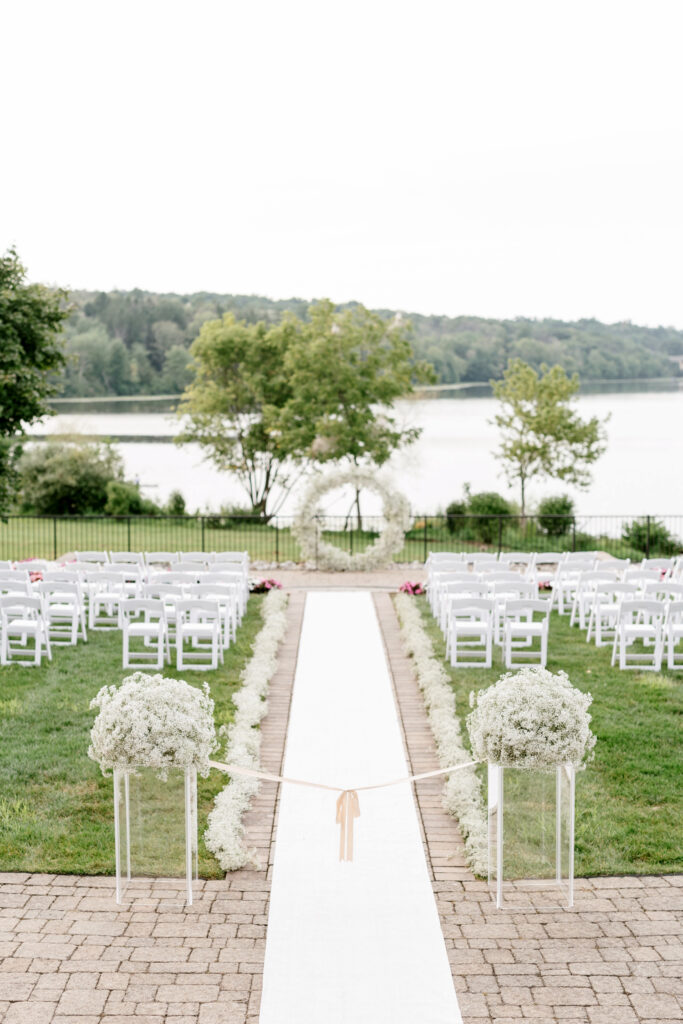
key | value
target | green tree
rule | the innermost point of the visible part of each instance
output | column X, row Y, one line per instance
column 234, row 405
column 541, row 432
column 31, row 353
column 345, row 370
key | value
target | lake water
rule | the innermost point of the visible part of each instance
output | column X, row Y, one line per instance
column 640, row 473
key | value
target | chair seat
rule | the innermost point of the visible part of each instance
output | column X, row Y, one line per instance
column 527, row 628
column 144, row 628
column 200, row 628
column 21, row 625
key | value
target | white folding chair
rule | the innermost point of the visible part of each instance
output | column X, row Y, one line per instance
column 227, row 595
column 524, row 560
column 641, row 577
column 566, row 583
column 160, row 557
column 198, row 623
column 201, row 557
column 22, row 617
column 547, row 565
column 187, row 566
column 584, row 595
column 436, row 581
column 144, row 618
column 503, row 591
column 643, row 621
column 170, row 594
column 470, row 632
column 673, row 635
column 63, row 611
column 235, row 577
column 664, row 591
column 604, row 612
column 92, row 556
column 456, row 591
column 107, row 591
column 616, row 566
column 665, row 565
column 521, row 628
column 127, row 558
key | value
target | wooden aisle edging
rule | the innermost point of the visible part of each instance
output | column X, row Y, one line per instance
column 444, row 846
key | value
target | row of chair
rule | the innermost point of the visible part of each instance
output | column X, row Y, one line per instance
column 636, row 609
column 190, row 605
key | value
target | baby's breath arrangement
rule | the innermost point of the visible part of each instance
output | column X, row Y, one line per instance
column 153, row 722
column 531, row 719
column 308, row 531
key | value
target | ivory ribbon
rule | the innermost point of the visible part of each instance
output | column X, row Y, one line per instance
column 348, row 806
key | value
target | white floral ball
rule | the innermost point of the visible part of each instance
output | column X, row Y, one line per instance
column 531, row 719
column 153, row 722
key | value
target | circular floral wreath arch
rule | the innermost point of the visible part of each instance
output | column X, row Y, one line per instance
column 308, row 531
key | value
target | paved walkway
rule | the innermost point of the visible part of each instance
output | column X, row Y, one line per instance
column 68, row 954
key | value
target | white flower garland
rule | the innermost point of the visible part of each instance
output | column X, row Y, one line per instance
column 224, row 836
column 532, row 719
column 153, row 722
column 462, row 792
column 307, row 530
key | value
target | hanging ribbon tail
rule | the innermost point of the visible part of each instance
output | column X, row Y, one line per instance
column 348, row 808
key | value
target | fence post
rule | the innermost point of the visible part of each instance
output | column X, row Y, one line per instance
column 277, row 541
column 128, row 531
column 647, row 540
column 500, row 534
column 573, row 534
column 425, row 541
column 54, row 538
column 202, row 522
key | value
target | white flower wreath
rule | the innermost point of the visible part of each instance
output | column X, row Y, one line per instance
column 308, row 531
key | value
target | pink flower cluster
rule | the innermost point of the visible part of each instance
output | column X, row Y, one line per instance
column 263, row 586
column 415, row 589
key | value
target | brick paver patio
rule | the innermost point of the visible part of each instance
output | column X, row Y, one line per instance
column 68, row 954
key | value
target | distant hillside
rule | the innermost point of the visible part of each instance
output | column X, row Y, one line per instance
column 127, row 343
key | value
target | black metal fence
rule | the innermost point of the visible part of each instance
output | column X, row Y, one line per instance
column 54, row 537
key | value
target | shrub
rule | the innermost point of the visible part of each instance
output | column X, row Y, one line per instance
column 67, row 478
column 175, row 506
column 231, row 516
column 556, row 515
column 485, row 509
column 454, row 516
column 124, row 499
column 661, row 541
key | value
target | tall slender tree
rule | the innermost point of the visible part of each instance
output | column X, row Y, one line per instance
column 542, row 435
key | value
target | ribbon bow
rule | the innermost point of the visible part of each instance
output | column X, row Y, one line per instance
column 348, row 808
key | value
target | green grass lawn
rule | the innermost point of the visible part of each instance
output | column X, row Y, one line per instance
column 629, row 800
column 56, row 808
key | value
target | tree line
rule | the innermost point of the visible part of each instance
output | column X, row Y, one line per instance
column 136, row 342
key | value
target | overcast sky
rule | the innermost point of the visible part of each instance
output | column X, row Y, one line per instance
column 497, row 158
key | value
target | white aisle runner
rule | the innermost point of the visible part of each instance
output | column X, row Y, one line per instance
column 358, row 942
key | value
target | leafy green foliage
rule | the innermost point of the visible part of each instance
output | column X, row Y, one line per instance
column 541, row 433
column 124, row 499
column 31, row 352
column 485, row 510
column 109, row 332
column 266, row 400
column 67, row 479
column 175, row 506
column 651, row 537
column 556, row 515
column 454, row 513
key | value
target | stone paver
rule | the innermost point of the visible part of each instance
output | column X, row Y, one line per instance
column 70, row 955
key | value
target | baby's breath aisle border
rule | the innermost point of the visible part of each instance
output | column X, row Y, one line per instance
column 224, row 836
column 462, row 793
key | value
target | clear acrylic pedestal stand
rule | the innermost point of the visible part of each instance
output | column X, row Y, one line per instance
column 155, row 828
column 531, row 836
